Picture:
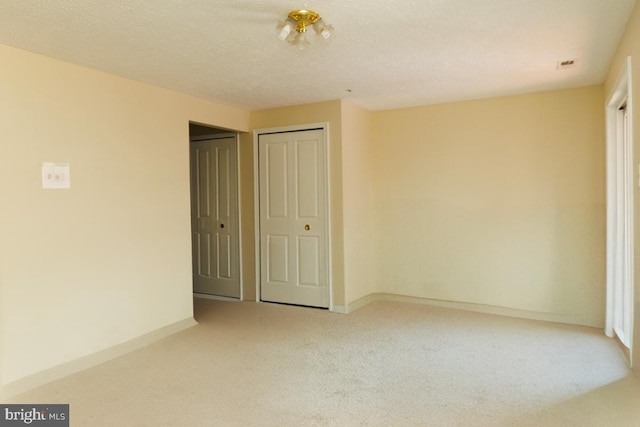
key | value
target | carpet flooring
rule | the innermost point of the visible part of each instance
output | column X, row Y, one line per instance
column 386, row 364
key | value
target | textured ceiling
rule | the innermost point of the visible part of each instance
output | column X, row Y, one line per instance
column 383, row 54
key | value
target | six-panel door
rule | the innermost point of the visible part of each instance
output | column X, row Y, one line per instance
column 293, row 224
column 214, row 217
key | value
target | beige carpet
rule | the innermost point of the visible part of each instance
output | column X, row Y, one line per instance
column 387, row 364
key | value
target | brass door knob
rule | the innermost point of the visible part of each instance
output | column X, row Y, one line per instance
column 221, row 225
column 306, row 227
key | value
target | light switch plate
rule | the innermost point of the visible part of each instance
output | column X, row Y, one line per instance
column 56, row 175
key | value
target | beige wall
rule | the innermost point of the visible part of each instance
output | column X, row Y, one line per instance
column 84, row 269
column 630, row 46
column 321, row 112
column 247, row 224
column 358, row 173
column 497, row 202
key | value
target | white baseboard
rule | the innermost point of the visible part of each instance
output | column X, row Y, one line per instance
column 359, row 303
column 480, row 308
column 57, row 372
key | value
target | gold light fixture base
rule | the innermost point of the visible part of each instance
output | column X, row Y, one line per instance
column 304, row 18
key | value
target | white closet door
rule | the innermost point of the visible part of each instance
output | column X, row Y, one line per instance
column 293, row 223
column 214, row 217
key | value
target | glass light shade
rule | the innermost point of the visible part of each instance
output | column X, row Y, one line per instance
column 285, row 31
column 323, row 29
column 300, row 41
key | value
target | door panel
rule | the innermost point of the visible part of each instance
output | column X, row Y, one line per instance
column 308, row 257
column 214, row 218
column 293, row 225
column 276, row 175
column 278, row 265
column 307, row 171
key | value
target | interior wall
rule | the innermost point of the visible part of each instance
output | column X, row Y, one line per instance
column 197, row 130
column 247, row 224
column 108, row 260
column 360, row 263
column 497, row 202
column 320, row 112
column 630, row 46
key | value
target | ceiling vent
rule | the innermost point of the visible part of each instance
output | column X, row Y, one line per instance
column 566, row 64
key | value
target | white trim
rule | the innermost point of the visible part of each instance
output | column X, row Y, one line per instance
column 327, row 177
column 239, row 196
column 361, row 302
column 256, row 197
column 473, row 307
column 256, row 213
column 620, row 208
column 57, row 372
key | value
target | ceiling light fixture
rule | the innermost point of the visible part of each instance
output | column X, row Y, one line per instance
column 299, row 20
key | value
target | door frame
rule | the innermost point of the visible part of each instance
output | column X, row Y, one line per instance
column 256, row 198
column 236, row 144
column 620, row 206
